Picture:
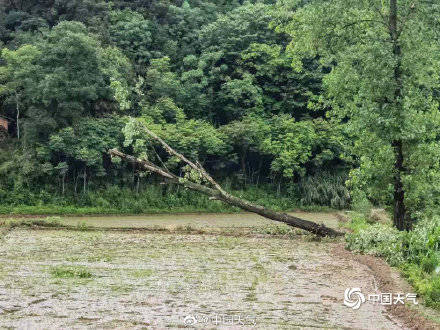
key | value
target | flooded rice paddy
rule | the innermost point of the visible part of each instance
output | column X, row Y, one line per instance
column 140, row 279
column 196, row 220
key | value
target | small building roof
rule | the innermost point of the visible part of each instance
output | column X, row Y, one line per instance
column 4, row 117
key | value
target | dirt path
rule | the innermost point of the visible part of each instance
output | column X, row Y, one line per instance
column 66, row 279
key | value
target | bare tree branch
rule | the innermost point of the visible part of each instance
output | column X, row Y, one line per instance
column 219, row 194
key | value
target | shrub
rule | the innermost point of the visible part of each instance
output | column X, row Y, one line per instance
column 416, row 253
column 379, row 240
column 360, row 203
column 324, row 189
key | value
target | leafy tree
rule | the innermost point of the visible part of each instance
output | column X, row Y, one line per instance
column 243, row 69
column 81, row 147
column 161, row 81
column 195, row 138
column 132, row 33
column 283, row 90
column 246, row 137
column 67, row 76
column 383, row 57
column 183, row 26
column 222, row 43
column 298, row 146
column 16, row 77
column 212, row 78
column 52, row 12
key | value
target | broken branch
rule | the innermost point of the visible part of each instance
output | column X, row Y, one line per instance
column 219, row 194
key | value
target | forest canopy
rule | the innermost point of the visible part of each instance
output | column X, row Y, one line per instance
column 297, row 98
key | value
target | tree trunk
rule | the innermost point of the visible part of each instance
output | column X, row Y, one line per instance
column 18, row 115
column 260, row 164
column 63, row 184
column 218, row 193
column 243, row 165
column 75, row 182
column 84, row 181
column 401, row 219
column 279, row 186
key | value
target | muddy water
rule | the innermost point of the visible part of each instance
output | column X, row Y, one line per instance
column 153, row 280
column 193, row 219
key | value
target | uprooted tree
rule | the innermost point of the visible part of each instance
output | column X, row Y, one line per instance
column 208, row 186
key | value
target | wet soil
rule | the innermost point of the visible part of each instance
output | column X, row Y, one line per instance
column 195, row 220
column 75, row 279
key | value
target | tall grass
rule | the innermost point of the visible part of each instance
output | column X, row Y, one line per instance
column 324, row 189
column 318, row 192
column 152, row 199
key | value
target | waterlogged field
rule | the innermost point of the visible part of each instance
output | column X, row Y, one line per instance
column 195, row 220
column 206, row 279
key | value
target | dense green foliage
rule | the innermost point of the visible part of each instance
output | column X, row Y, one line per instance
column 295, row 97
column 212, row 78
column 416, row 253
column 383, row 60
column 152, row 199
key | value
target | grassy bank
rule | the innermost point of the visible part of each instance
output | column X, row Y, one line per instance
column 415, row 253
column 155, row 199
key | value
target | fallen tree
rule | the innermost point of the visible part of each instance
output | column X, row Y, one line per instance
column 212, row 189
